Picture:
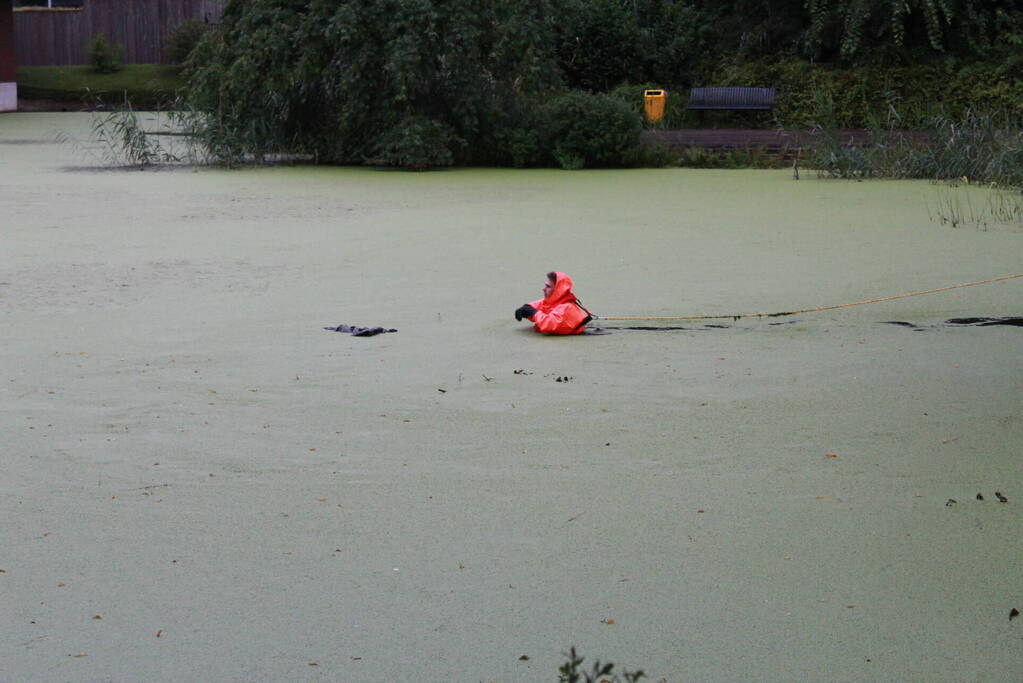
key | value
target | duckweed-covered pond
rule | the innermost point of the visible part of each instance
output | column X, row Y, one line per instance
column 202, row 483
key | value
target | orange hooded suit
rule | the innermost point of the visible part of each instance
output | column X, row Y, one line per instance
column 560, row 312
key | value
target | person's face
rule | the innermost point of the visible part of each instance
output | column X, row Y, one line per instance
column 548, row 286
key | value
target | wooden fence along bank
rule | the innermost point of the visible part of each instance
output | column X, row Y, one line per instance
column 57, row 37
column 8, row 88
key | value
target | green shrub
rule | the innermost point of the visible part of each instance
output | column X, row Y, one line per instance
column 512, row 137
column 518, row 146
column 418, row 143
column 104, row 57
column 182, row 39
column 583, row 130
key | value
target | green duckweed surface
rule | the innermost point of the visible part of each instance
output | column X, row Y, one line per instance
column 200, row 483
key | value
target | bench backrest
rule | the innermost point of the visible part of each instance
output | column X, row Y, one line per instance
column 731, row 98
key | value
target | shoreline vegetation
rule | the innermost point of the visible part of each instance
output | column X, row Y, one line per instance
column 265, row 85
column 980, row 146
column 983, row 150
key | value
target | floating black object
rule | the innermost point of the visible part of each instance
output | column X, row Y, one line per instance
column 984, row 322
column 357, row 331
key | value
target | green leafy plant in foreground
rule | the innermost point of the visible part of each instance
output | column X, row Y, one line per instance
column 571, row 672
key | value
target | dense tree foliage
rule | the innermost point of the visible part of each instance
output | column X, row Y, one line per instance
column 849, row 29
column 602, row 43
column 391, row 80
column 420, row 83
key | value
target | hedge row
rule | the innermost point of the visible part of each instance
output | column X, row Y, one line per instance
column 857, row 98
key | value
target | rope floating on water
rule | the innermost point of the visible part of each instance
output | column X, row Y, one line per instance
column 808, row 310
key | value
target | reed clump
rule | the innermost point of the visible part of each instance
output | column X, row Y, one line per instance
column 977, row 149
column 983, row 147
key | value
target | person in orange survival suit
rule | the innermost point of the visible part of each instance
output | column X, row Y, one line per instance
column 558, row 312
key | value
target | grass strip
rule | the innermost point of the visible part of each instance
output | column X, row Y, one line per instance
column 145, row 85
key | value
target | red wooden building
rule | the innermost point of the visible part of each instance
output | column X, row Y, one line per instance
column 8, row 86
column 58, row 36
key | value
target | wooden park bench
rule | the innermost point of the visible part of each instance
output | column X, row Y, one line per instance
column 731, row 98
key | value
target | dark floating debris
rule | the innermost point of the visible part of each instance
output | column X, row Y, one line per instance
column 985, row 322
column 980, row 497
column 1013, row 613
column 357, row 331
column 962, row 322
column 1001, row 498
column 951, row 502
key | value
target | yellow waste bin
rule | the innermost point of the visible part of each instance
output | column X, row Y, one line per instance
column 653, row 104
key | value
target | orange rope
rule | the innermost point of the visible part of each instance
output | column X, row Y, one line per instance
column 807, row 310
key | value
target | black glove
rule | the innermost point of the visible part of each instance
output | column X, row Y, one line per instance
column 524, row 311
